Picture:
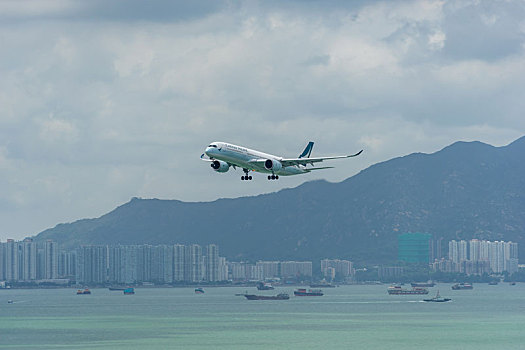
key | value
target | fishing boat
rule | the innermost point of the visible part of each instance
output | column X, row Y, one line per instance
column 462, row 286
column 83, row 291
column 302, row 292
column 437, row 299
column 129, row 291
column 199, row 291
column 397, row 290
column 281, row 296
column 264, row 286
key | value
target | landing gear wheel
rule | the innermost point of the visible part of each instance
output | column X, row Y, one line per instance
column 242, row 178
column 276, row 177
column 249, row 177
column 269, row 177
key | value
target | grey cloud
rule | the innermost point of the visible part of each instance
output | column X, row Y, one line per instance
column 486, row 30
column 94, row 113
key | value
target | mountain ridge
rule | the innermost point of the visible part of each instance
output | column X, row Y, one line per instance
column 465, row 190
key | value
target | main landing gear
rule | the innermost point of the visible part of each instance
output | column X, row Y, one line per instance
column 273, row 177
column 246, row 177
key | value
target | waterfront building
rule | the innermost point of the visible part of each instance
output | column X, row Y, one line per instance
column 481, row 257
column 162, row 264
column 92, row 264
column 2, row 262
column 332, row 268
column 270, row 269
column 28, row 260
column 179, row 258
column 67, row 264
column 11, row 261
column 193, row 267
column 223, row 269
column 51, row 259
column 294, row 269
column 414, row 247
column 212, row 263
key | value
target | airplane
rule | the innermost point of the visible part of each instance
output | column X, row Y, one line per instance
column 222, row 156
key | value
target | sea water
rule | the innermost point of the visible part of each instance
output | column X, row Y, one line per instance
column 346, row 317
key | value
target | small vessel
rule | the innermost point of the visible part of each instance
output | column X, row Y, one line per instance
column 302, row 292
column 397, row 290
column 423, row 284
column 281, row 296
column 264, row 286
column 322, row 285
column 83, row 291
column 512, row 283
column 129, row 291
column 437, row 299
column 199, row 291
column 462, row 286
column 493, row 283
column 10, row 301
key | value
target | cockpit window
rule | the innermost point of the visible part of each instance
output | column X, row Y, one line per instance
column 213, row 146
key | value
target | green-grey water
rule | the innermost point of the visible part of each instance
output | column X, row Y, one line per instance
column 357, row 317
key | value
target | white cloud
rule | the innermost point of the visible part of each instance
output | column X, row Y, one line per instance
column 95, row 112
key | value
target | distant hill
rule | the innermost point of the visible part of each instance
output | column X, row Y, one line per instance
column 466, row 190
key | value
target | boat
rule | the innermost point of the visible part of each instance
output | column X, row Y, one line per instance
column 462, row 286
column 281, row 296
column 512, row 283
column 264, row 286
column 199, row 291
column 83, row 291
column 423, row 284
column 493, row 283
column 322, row 285
column 116, row 288
column 437, row 299
column 129, row 291
column 397, row 290
column 10, row 301
column 302, row 292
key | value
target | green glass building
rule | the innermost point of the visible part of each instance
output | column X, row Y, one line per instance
column 414, row 247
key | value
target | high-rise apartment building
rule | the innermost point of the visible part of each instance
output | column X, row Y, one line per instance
column 28, row 259
column 193, row 271
column 179, row 259
column 212, row 263
column 92, row 264
column 332, row 268
column 294, row 269
column 51, row 259
column 12, row 261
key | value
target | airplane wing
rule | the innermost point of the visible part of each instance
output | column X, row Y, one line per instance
column 205, row 159
column 306, row 161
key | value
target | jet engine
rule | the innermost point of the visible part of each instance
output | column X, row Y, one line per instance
column 273, row 165
column 220, row 166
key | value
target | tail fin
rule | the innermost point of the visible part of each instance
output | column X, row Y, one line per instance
column 308, row 150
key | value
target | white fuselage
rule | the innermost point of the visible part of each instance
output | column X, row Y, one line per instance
column 241, row 157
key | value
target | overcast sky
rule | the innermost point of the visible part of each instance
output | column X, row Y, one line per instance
column 102, row 101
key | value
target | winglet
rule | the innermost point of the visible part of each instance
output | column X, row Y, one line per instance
column 308, row 150
column 355, row 155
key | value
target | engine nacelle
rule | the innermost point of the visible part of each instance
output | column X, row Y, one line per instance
column 273, row 165
column 220, row 166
